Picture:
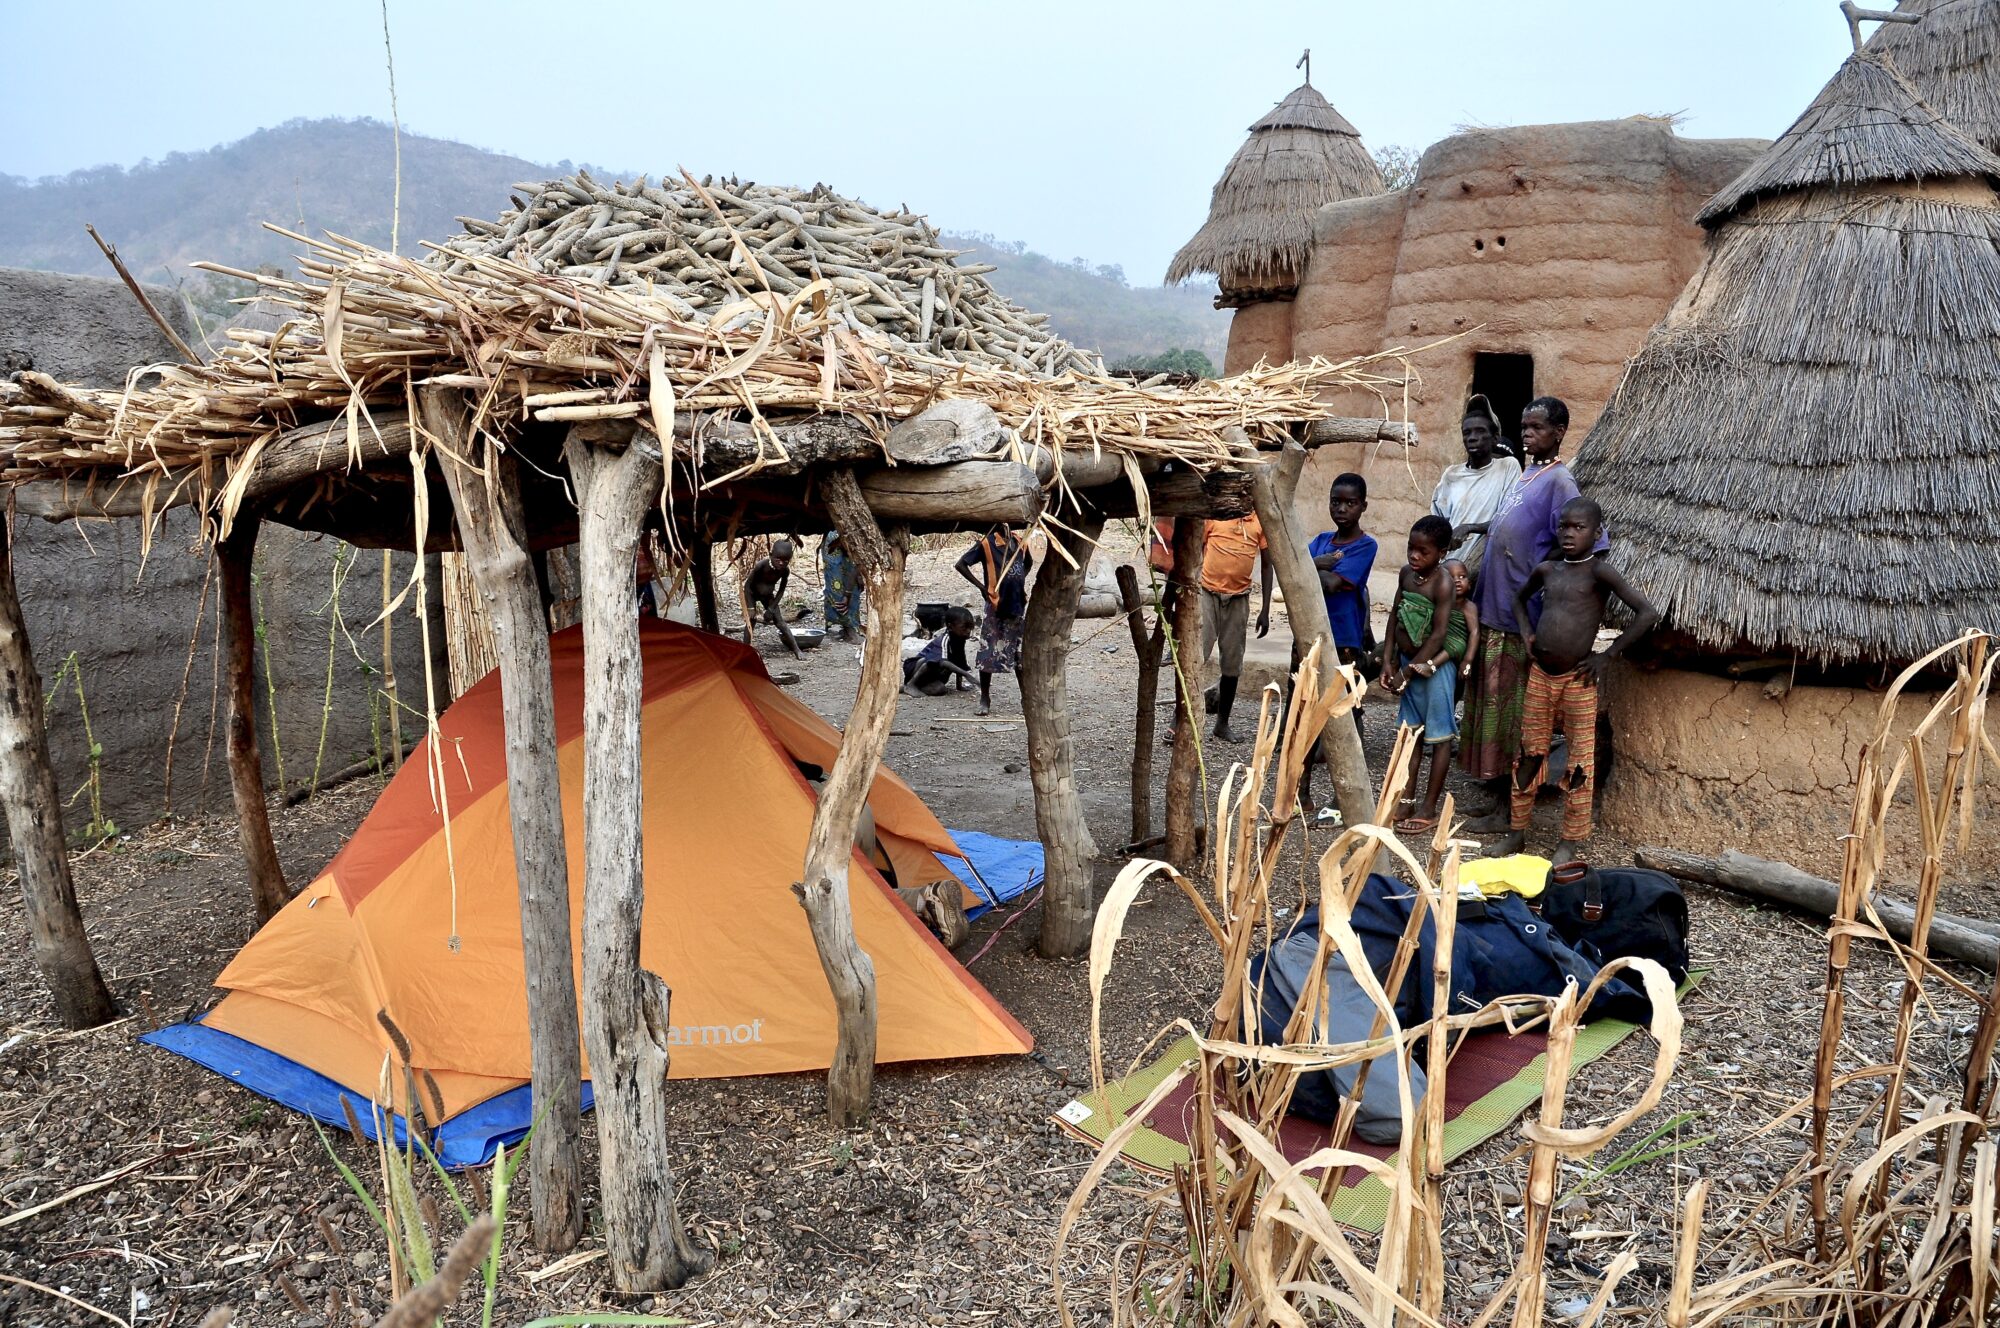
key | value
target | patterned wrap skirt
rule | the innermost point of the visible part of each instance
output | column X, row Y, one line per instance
column 1494, row 702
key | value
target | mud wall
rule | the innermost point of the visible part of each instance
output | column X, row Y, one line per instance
column 1259, row 332
column 1564, row 242
column 140, row 628
column 1705, row 764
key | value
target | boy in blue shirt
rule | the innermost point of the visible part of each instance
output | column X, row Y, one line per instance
column 1344, row 556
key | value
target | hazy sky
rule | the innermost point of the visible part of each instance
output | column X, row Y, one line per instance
column 1092, row 129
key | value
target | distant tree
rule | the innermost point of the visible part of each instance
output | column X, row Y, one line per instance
column 1180, row 360
column 1113, row 272
column 1398, row 165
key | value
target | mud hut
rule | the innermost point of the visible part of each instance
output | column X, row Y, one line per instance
column 1258, row 236
column 1544, row 251
column 1803, row 466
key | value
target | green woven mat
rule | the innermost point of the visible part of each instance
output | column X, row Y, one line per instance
column 1363, row 1206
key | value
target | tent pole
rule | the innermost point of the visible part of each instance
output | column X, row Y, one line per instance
column 235, row 553
column 701, row 570
column 823, row 890
column 1067, row 906
column 492, row 528
column 1183, row 800
column 34, row 823
column 616, row 474
column 1305, row 606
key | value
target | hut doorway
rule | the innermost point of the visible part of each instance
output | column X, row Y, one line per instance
column 1507, row 381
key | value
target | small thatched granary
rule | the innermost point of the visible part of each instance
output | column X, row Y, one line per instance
column 1258, row 235
column 1802, row 464
column 1952, row 59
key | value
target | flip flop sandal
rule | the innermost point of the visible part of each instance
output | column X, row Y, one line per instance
column 1416, row 825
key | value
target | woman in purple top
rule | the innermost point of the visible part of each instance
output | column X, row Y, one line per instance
column 1518, row 537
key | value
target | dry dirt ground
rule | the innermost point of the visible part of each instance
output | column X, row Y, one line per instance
column 942, row 1211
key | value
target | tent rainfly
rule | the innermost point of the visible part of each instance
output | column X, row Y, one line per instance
column 1952, row 59
column 1259, row 231
column 1804, row 458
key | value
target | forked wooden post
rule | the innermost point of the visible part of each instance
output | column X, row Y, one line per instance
column 823, row 887
column 625, row 1024
column 1148, row 648
column 1183, row 804
column 1305, row 606
column 34, row 823
column 235, row 553
column 492, row 526
column 1066, row 840
column 701, row 571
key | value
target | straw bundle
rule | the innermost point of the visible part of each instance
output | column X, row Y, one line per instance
column 1805, row 455
column 1258, row 235
column 1952, row 58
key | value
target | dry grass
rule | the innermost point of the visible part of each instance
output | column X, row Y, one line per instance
column 1889, row 1218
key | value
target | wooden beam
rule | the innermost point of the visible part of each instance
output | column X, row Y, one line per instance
column 1217, row 495
column 33, row 809
column 830, row 852
column 1305, row 606
column 984, row 493
column 1067, row 903
column 493, row 526
column 625, row 1007
column 1782, row 883
column 234, row 556
column 1327, row 433
column 1183, row 800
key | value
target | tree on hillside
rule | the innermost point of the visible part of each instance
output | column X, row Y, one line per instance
column 1398, row 165
column 1176, row 361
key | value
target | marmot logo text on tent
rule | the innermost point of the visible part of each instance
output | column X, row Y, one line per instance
column 714, row 1035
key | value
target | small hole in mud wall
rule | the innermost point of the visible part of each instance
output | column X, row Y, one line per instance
column 1501, row 241
column 1479, row 246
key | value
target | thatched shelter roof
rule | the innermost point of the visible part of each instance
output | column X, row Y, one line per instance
column 1805, row 456
column 1952, row 59
column 1867, row 126
column 1258, row 235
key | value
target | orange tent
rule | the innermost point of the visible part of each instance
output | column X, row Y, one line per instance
column 417, row 919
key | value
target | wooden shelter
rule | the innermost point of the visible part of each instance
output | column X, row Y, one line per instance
column 1802, row 468
column 715, row 359
column 1259, row 231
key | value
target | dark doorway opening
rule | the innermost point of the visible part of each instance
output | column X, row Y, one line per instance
column 1508, row 381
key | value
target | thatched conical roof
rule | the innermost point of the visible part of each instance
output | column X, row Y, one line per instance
column 1260, row 215
column 1952, row 59
column 1805, row 455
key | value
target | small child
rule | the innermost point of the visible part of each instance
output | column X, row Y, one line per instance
column 840, row 586
column 1344, row 556
column 1417, row 662
column 1464, row 619
column 764, row 593
column 1563, row 673
column 940, row 665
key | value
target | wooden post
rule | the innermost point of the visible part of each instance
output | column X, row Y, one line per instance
column 625, row 1023
column 1148, row 648
column 1067, row 907
column 235, row 552
column 492, row 527
column 823, row 887
column 1305, row 605
column 701, row 570
column 34, row 824
column 1183, row 811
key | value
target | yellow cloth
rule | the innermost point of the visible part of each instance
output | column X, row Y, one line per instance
column 1522, row 874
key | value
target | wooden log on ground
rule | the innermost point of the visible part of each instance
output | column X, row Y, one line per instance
column 234, row 555
column 701, row 571
column 1183, row 807
column 1326, row 433
column 33, row 809
column 1067, row 905
column 1780, row 882
column 823, row 887
column 975, row 493
column 625, row 1008
column 1147, row 648
column 1285, row 546
column 493, row 528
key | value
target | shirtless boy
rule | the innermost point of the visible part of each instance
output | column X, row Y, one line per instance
column 1563, row 671
column 765, row 591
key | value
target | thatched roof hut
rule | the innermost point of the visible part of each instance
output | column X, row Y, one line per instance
column 1952, row 59
column 1260, row 215
column 1805, row 456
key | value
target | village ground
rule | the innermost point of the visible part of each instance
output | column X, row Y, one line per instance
column 943, row 1210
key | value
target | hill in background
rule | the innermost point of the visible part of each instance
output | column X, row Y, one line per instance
column 339, row 175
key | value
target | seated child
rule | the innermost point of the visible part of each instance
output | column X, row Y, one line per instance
column 1563, row 673
column 764, row 593
column 1418, row 662
column 939, row 665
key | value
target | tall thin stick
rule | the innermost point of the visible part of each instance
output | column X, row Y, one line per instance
column 152, row 312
